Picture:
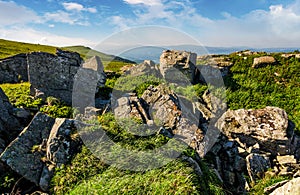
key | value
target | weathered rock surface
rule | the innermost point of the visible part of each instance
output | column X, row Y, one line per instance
column 41, row 146
column 148, row 67
column 53, row 75
column 268, row 127
column 230, row 166
column 87, row 82
column 264, row 60
column 257, row 165
column 290, row 188
column 9, row 124
column 172, row 61
column 13, row 69
column 218, row 62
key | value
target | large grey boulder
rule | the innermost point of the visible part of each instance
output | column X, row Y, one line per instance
column 177, row 64
column 13, row 69
column 45, row 144
column 86, row 84
column 9, row 124
column 53, row 75
column 267, row 127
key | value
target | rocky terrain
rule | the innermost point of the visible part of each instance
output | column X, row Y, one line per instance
column 240, row 147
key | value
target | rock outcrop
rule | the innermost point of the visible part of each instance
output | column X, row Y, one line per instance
column 218, row 62
column 13, row 69
column 53, row 75
column 43, row 145
column 148, row 67
column 267, row 127
column 171, row 61
column 86, row 83
column 264, row 60
column 10, row 126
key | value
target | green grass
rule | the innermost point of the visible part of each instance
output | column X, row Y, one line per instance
column 9, row 48
column 87, row 174
column 86, row 52
column 267, row 181
column 19, row 96
column 110, row 62
column 273, row 85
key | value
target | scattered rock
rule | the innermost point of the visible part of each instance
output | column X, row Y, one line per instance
column 264, row 60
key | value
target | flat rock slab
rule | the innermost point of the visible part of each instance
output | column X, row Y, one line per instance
column 267, row 126
column 45, row 144
column 19, row 154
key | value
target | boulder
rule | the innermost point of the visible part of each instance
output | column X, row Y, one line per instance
column 148, row 67
column 9, row 124
column 86, row 84
column 45, row 144
column 173, row 61
column 264, row 60
column 268, row 127
column 53, row 75
column 290, row 188
column 13, row 69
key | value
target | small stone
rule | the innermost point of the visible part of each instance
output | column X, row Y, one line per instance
column 287, row 159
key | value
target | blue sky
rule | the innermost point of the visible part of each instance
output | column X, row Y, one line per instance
column 226, row 23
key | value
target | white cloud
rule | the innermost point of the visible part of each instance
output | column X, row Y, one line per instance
column 60, row 16
column 277, row 27
column 11, row 13
column 32, row 36
column 145, row 2
column 72, row 6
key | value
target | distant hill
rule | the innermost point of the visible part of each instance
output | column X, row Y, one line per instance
column 141, row 53
column 9, row 48
column 87, row 52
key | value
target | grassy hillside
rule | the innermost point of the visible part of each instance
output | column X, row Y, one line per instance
column 9, row 48
column 271, row 85
column 110, row 62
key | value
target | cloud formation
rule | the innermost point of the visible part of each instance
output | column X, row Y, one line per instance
column 11, row 13
column 145, row 2
column 72, row 6
column 30, row 35
column 279, row 26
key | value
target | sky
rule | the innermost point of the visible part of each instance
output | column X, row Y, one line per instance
column 218, row 23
